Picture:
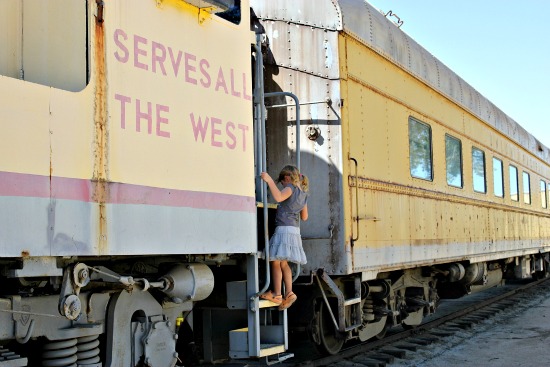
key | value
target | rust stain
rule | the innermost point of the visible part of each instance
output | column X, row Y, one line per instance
column 100, row 175
column 25, row 253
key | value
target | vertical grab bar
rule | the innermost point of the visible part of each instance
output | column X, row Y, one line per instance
column 355, row 219
column 293, row 96
column 262, row 163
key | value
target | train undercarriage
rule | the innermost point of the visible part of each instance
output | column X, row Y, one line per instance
column 345, row 308
column 160, row 312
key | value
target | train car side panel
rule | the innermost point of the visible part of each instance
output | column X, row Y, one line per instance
column 195, row 109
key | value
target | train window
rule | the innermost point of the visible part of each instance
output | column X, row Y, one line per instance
column 229, row 10
column 478, row 170
column 514, row 188
column 453, row 156
column 45, row 42
column 498, row 178
column 543, row 197
column 420, row 149
column 526, row 188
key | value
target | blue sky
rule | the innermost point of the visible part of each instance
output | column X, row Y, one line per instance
column 500, row 47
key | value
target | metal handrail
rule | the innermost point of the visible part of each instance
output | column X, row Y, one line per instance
column 297, row 103
column 259, row 101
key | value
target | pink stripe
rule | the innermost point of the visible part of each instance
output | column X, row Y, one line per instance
column 27, row 185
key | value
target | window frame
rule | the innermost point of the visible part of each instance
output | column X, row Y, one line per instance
column 526, row 174
column 484, row 162
column 452, row 138
column 413, row 120
column 496, row 159
column 517, row 182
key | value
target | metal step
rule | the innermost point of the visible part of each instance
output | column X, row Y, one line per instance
column 237, row 299
column 264, row 303
column 238, row 345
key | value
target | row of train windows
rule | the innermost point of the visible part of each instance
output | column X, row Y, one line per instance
column 420, row 153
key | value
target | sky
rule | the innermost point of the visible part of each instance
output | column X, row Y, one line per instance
column 499, row 47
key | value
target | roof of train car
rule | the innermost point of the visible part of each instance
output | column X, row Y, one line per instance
column 362, row 21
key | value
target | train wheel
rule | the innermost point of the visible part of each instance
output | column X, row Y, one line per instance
column 330, row 341
column 382, row 334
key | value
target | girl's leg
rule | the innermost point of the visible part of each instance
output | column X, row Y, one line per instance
column 287, row 276
column 276, row 276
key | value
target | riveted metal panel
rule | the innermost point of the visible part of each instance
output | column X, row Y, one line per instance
column 303, row 59
column 319, row 13
column 365, row 23
column 307, row 49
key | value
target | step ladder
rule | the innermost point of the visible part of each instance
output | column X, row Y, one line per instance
column 266, row 335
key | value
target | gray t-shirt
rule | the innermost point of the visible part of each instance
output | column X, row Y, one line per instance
column 288, row 212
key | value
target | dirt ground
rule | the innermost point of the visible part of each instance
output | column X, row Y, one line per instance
column 519, row 336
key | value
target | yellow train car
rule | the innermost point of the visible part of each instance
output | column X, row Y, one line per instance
column 421, row 187
column 133, row 216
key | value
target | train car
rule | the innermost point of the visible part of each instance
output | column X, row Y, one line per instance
column 127, row 173
column 132, row 216
column 421, row 188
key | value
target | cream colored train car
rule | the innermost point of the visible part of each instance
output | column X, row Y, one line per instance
column 127, row 188
column 420, row 187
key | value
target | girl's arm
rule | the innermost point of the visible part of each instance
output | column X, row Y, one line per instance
column 278, row 195
column 303, row 213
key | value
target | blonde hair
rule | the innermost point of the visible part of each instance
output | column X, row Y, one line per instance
column 296, row 178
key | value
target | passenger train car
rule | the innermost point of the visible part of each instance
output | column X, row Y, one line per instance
column 132, row 216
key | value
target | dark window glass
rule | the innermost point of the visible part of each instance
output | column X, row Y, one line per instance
column 478, row 170
column 453, row 156
column 526, row 188
column 514, row 188
column 420, row 149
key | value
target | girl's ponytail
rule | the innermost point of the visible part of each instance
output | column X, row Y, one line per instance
column 304, row 182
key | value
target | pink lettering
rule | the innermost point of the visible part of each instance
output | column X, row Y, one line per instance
column 199, row 128
column 244, row 129
column 204, row 66
column 245, row 95
column 175, row 63
column 123, row 101
column 233, row 91
column 190, row 68
column 144, row 115
column 218, row 132
column 229, row 129
column 221, row 81
column 158, row 58
column 123, row 58
column 162, row 120
column 138, row 40
column 215, row 131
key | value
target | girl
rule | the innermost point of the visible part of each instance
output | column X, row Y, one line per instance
column 286, row 243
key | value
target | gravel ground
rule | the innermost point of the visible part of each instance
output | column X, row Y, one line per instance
column 519, row 336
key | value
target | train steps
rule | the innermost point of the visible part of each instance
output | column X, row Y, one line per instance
column 266, row 336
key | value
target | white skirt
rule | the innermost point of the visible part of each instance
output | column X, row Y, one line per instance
column 286, row 244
